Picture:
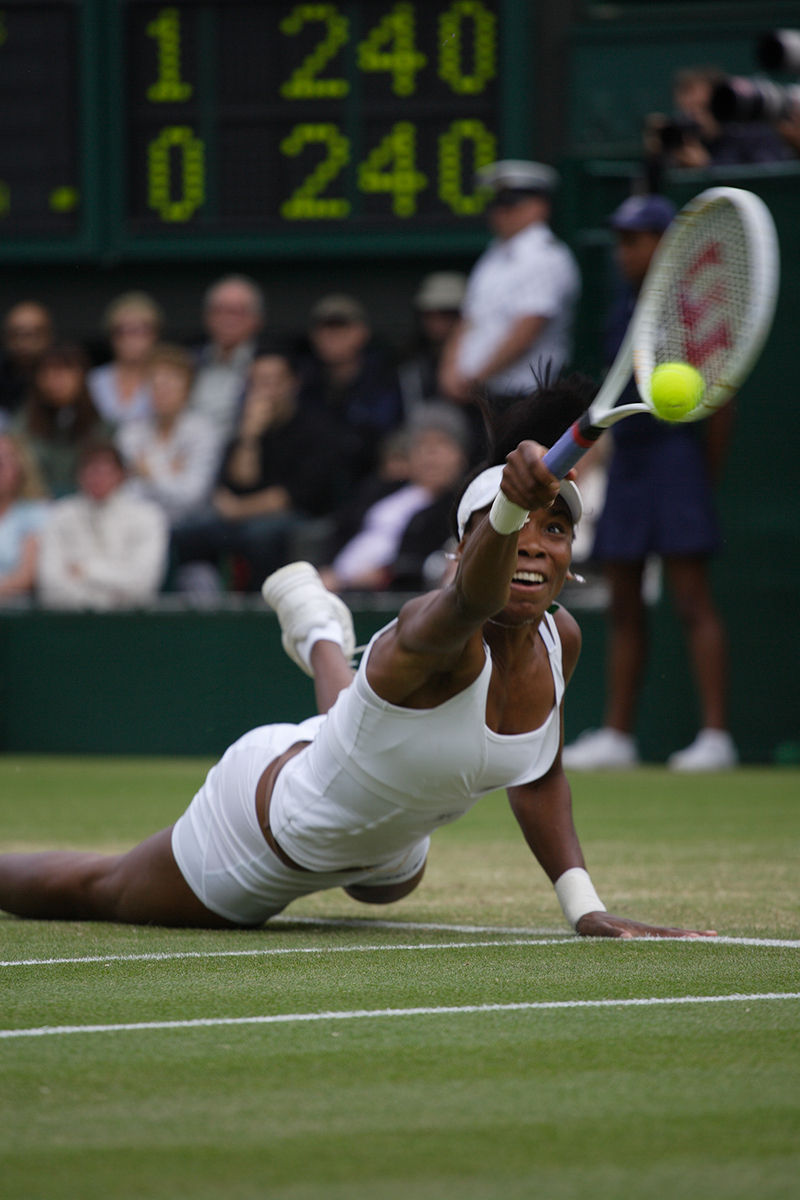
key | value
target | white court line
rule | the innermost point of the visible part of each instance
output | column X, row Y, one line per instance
column 271, row 951
column 358, row 1014
column 158, row 956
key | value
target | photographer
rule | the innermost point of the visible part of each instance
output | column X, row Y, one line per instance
column 695, row 138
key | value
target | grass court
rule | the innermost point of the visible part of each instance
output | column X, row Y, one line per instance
column 460, row 1044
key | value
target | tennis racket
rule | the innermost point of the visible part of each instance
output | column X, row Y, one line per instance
column 708, row 300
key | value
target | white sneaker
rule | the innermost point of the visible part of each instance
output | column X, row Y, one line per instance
column 302, row 603
column 711, row 750
column 598, row 748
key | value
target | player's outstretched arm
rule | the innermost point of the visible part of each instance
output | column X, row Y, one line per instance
column 544, row 812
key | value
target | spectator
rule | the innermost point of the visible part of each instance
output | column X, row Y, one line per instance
column 23, row 512
column 658, row 502
column 234, row 311
column 27, row 333
column 399, row 531
column 437, row 306
column 174, row 454
column 437, row 310
column 58, row 415
column 351, row 379
column 102, row 548
column 521, row 294
column 693, row 137
column 280, row 468
column 119, row 388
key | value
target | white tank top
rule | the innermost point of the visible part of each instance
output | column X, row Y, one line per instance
column 378, row 777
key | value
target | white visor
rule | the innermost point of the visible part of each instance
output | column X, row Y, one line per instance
column 484, row 487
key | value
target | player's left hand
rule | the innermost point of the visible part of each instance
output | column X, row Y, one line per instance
column 603, row 924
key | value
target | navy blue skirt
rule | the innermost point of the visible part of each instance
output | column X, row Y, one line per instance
column 659, row 498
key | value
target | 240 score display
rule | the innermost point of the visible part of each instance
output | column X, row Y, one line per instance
column 259, row 116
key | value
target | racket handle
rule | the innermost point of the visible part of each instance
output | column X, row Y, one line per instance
column 571, row 447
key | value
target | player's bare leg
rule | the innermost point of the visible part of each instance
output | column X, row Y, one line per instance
column 386, row 894
column 143, row 887
column 316, row 627
column 332, row 673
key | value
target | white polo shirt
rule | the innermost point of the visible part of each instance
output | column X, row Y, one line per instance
column 529, row 274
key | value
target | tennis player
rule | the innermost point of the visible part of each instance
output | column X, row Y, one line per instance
column 458, row 696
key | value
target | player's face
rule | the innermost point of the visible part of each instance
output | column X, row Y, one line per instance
column 544, row 552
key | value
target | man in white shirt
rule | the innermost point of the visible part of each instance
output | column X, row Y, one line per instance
column 521, row 296
column 102, row 548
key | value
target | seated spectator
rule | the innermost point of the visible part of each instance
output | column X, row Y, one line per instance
column 27, row 333
column 102, row 548
column 437, row 309
column 23, row 512
column 281, row 467
column 351, row 379
column 234, row 312
column 437, row 306
column 119, row 388
column 399, row 531
column 172, row 455
column 58, row 416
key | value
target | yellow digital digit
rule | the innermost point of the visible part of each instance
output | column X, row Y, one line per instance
column 390, row 47
column 452, row 143
column 483, row 56
column 391, row 167
column 306, row 203
column 165, row 28
column 180, row 141
column 304, row 82
column 64, row 199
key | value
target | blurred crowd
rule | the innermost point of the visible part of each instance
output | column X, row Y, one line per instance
column 159, row 467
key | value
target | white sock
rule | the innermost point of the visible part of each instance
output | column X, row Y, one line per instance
column 329, row 631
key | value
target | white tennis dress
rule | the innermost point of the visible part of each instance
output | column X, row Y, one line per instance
column 358, row 805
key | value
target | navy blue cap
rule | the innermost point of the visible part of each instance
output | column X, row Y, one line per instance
column 651, row 214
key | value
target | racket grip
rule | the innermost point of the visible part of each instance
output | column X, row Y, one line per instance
column 570, row 448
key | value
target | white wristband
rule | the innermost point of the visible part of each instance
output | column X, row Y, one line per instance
column 505, row 516
column 576, row 895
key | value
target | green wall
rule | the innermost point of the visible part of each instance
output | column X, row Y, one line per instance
column 180, row 682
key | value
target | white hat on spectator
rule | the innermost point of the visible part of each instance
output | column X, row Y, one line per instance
column 519, row 175
column 443, row 291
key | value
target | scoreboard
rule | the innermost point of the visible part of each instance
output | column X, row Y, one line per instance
column 132, row 128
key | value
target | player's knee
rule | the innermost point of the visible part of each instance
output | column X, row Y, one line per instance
column 385, row 893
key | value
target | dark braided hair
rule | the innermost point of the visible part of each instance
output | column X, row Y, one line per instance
column 542, row 416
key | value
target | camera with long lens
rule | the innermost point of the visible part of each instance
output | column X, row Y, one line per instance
column 740, row 98
column 743, row 99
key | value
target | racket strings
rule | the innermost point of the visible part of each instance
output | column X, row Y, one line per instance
column 703, row 311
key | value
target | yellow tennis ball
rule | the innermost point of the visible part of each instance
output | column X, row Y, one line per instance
column 675, row 389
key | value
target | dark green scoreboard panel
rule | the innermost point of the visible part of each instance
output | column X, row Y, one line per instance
column 140, row 129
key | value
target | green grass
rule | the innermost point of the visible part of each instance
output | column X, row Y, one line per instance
column 616, row 1102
